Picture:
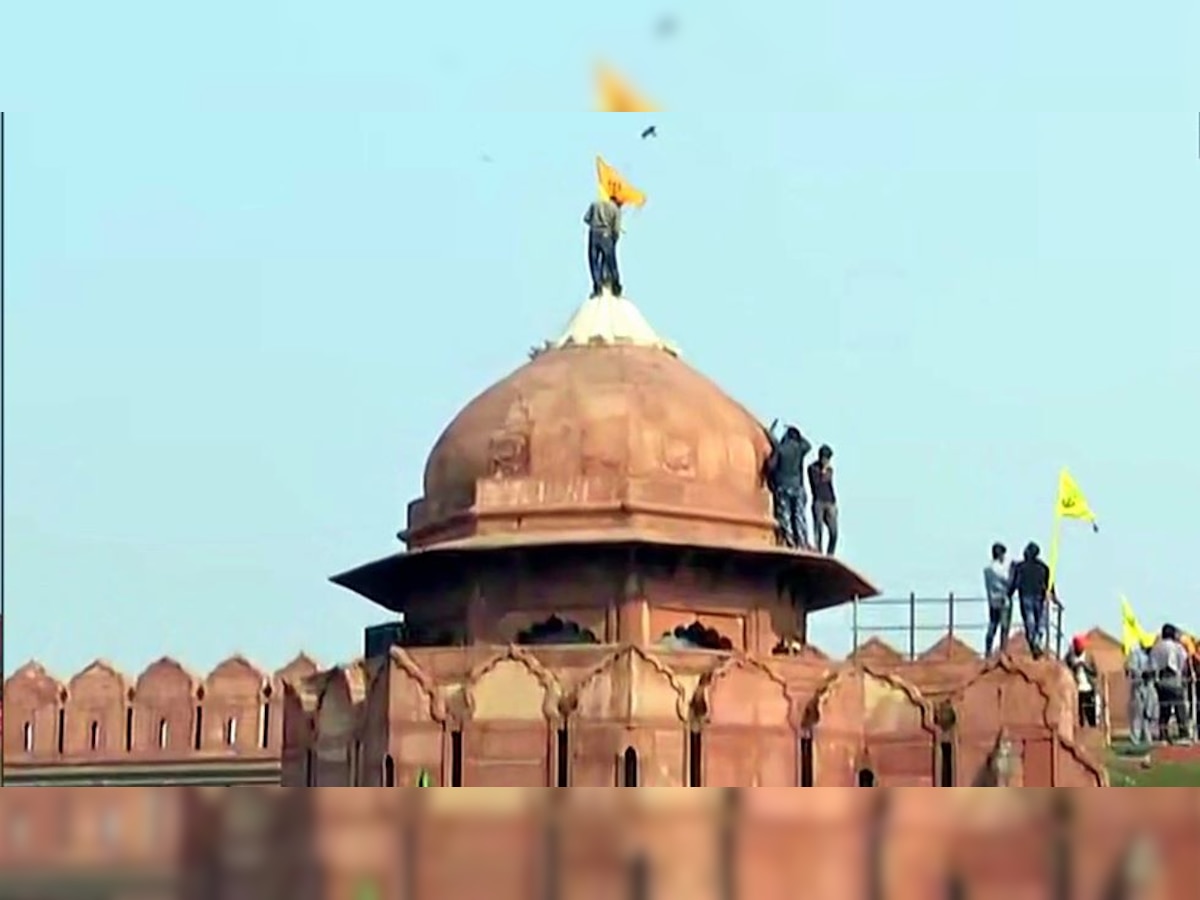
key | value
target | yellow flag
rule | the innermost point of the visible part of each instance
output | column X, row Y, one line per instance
column 615, row 94
column 1132, row 633
column 1071, row 502
column 612, row 185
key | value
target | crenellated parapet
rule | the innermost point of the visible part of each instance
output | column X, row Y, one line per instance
column 166, row 714
column 604, row 715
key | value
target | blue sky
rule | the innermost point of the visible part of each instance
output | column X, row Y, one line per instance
column 257, row 261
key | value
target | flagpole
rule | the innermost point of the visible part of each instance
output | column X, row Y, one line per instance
column 1055, row 533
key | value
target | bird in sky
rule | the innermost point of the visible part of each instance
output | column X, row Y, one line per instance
column 652, row 131
column 666, row 27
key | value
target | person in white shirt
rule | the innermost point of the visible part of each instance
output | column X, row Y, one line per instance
column 1079, row 661
column 997, row 582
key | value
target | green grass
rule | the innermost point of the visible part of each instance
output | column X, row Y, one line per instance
column 1129, row 773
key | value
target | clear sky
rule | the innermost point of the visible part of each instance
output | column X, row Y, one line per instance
column 260, row 254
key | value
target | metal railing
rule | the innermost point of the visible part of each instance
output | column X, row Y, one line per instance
column 965, row 618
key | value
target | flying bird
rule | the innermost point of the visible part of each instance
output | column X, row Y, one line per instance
column 652, row 131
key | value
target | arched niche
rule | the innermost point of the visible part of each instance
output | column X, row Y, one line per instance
column 95, row 713
column 512, row 709
column 554, row 631
column 164, row 709
column 1008, row 696
column 236, row 701
column 862, row 713
column 746, row 730
column 631, row 699
column 404, row 720
column 33, row 698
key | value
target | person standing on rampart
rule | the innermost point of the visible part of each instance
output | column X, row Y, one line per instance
column 997, row 582
column 1031, row 584
column 785, row 478
column 825, row 509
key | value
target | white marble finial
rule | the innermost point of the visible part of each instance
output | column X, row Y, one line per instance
column 611, row 320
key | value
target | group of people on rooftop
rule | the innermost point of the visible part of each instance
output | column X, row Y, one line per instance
column 785, row 473
column 1162, row 671
column 1027, row 579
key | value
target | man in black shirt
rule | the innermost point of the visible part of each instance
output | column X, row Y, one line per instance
column 785, row 477
column 1031, row 583
column 825, row 513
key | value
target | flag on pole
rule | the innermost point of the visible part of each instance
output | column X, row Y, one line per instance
column 1132, row 633
column 1071, row 502
column 615, row 94
column 612, row 185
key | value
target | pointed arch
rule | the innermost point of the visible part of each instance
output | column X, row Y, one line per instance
column 401, row 696
column 609, row 689
column 99, row 694
column 513, row 685
column 1010, row 691
column 718, row 700
column 34, row 696
column 745, row 735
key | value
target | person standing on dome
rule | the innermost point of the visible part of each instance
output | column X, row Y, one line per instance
column 603, row 219
column 785, row 478
column 825, row 511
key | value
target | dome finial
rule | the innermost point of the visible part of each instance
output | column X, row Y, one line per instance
column 605, row 319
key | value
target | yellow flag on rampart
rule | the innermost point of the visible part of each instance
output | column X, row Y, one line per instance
column 615, row 94
column 1071, row 502
column 612, row 185
column 1132, row 633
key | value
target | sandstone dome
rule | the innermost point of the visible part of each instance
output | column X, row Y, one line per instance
column 604, row 428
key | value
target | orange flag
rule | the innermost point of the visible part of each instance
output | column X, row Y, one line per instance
column 614, row 186
column 615, row 94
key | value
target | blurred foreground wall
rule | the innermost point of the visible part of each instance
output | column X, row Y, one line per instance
column 690, row 844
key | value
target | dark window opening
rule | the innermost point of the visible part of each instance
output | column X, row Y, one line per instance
column 196, row 738
column 28, row 737
column 556, row 631
column 62, row 728
column 695, row 759
column 866, row 778
column 562, row 749
column 128, row 729
column 695, row 637
column 265, row 738
column 806, row 762
column 309, row 773
column 389, row 771
column 629, row 768
column 94, row 735
column 162, row 734
column 456, row 759
column 946, row 764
